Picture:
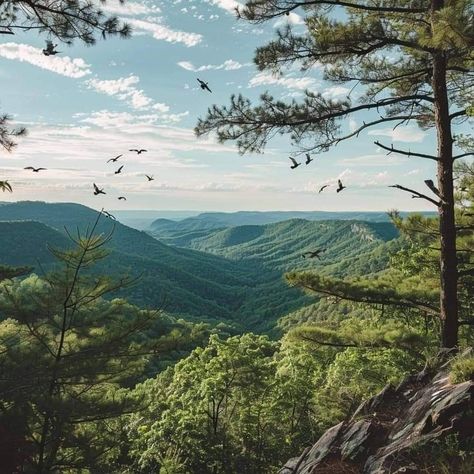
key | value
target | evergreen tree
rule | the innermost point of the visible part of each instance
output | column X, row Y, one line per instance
column 66, row 355
column 430, row 84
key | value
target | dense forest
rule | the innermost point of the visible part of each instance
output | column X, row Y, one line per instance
column 230, row 343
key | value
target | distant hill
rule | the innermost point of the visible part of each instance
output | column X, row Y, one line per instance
column 233, row 274
column 352, row 247
column 195, row 284
column 141, row 219
column 232, row 219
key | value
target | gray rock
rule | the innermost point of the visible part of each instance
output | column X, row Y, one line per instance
column 385, row 431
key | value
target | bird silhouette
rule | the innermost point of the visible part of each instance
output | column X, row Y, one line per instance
column 114, row 159
column 6, row 186
column 122, row 198
column 139, row 151
column 35, row 170
column 150, row 178
column 97, row 190
column 308, row 159
column 295, row 163
column 50, row 49
column 119, row 170
column 322, row 188
column 204, row 85
column 340, row 187
column 109, row 215
column 433, row 188
column 313, row 254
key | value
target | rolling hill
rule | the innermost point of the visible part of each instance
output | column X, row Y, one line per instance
column 233, row 274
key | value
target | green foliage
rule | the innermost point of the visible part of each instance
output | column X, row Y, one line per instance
column 65, row 20
column 462, row 369
column 445, row 455
column 66, row 355
column 237, row 405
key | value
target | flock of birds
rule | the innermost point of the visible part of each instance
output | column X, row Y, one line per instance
column 96, row 189
column 50, row 50
column 295, row 164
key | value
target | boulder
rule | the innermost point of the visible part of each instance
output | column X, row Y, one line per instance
column 386, row 432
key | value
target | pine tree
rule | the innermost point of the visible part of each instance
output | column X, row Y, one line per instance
column 66, row 354
column 430, row 83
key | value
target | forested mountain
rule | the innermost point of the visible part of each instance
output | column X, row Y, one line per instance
column 233, row 275
column 219, row 220
column 351, row 247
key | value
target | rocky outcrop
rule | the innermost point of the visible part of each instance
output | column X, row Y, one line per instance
column 388, row 432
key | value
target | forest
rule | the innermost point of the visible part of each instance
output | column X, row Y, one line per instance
column 242, row 343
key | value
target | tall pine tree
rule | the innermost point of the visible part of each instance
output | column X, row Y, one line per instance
column 430, row 83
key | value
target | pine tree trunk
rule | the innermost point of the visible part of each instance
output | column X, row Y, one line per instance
column 447, row 228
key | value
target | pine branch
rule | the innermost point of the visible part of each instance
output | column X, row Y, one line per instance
column 250, row 15
column 391, row 149
column 416, row 193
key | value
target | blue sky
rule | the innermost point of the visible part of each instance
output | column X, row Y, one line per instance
column 89, row 104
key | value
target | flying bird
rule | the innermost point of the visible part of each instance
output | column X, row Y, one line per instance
column 313, row 254
column 433, row 188
column 114, row 159
column 122, row 198
column 139, row 151
column 150, row 178
column 204, row 85
column 295, row 163
column 340, row 187
column 308, row 159
column 109, row 215
column 97, row 190
column 322, row 188
column 50, row 49
column 119, row 170
column 35, row 170
column 6, row 186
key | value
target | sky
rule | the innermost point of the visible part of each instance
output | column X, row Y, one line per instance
column 89, row 104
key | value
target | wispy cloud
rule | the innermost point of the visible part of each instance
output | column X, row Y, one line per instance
column 407, row 134
column 227, row 5
column 228, row 65
column 124, row 88
column 299, row 83
column 63, row 65
column 162, row 32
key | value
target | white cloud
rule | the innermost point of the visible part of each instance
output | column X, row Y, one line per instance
column 292, row 19
column 63, row 65
column 267, row 78
column 228, row 65
column 124, row 88
column 334, row 92
column 115, row 7
column 162, row 32
column 406, row 134
column 227, row 5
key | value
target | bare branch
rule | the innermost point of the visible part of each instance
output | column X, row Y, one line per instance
column 416, row 193
column 391, row 149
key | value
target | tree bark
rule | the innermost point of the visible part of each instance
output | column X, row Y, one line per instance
column 447, row 227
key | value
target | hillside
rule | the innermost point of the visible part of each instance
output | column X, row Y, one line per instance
column 192, row 283
column 199, row 225
column 352, row 247
column 233, row 275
